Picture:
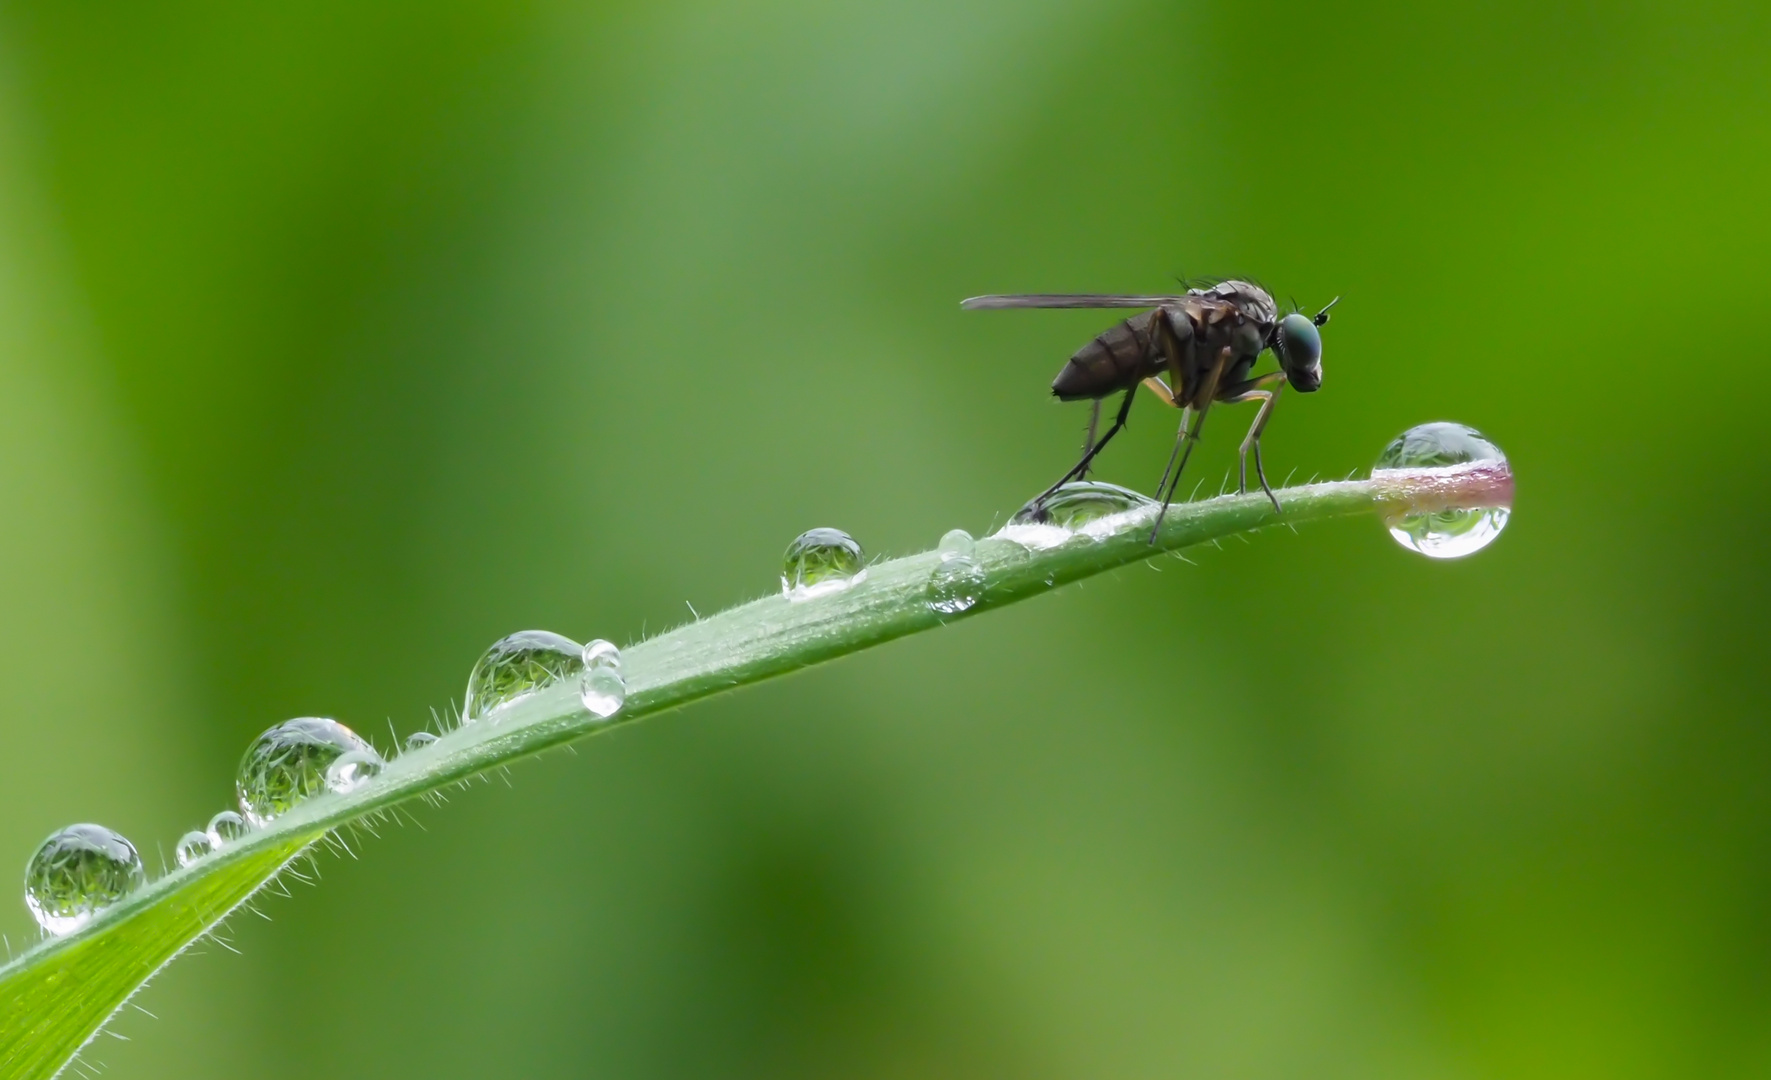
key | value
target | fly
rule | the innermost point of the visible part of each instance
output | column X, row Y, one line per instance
column 1206, row 342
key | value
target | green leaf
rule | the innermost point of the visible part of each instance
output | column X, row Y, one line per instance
column 58, row 995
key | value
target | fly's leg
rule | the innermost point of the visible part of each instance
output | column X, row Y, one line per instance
column 1189, row 434
column 1172, row 347
column 1172, row 340
column 1094, row 421
column 1254, row 390
column 1180, row 437
column 1166, row 396
column 1180, row 442
column 1163, row 394
column 1081, row 467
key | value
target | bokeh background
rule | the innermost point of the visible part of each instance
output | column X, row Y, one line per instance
column 339, row 339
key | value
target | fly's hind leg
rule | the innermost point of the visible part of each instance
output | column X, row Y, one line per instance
column 1255, row 390
column 1081, row 467
column 1094, row 422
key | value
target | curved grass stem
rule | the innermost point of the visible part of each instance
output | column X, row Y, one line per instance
column 56, row 997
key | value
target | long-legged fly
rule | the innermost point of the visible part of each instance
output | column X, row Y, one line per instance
column 1206, row 342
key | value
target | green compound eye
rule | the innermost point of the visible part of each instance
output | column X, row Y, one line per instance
column 1300, row 352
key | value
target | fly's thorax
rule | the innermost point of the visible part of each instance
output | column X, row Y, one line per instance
column 1248, row 339
column 1253, row 302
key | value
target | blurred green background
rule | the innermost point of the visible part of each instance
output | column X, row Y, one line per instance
column 339, row 339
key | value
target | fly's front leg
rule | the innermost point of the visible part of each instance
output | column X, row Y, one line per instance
column 1255, row 390
column 1094, row 421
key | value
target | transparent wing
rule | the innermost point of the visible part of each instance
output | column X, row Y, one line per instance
column 1063, row 300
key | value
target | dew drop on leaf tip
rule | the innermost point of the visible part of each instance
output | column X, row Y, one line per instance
column 77, row 873
column 1451, row 533
column 820, row 562
column 288, row 764
column 517, row 666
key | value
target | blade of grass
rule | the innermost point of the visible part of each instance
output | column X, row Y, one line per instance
column 55, row 998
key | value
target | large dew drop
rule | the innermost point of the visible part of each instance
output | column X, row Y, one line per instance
column 517, row 666
column 957, row 581
column 79, row 872
column 601, row 688
column 288, row 764
column 1086, row 508
column 1443, row 534
column 1076, row 504
column 820, row 562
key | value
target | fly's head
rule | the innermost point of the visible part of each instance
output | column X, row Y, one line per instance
column 1297, row 342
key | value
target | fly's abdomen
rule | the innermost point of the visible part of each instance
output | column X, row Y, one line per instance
column 1119, row 358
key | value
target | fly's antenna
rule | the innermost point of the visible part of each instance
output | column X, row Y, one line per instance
column 1321, row 318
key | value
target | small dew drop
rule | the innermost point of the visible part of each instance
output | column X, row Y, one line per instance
column 955, row 584
column 957, row 542
column 517, row 666
column 957, row 581
column 1443, row 534
column 288, row 764
column 601, row 687
column 79, row 872
column 820, row 562
column 352, row 770
column 418, row 740
column 193, row 846
column 226, row 827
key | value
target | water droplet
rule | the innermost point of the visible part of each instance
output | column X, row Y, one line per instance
column 1443, row 534
column 418, row 740
column 79, row 872
column 352, row 770
column 955, row 584
column 1076, row 504
column 819, row 562
column 288, row 764
column 226, row 827
column 193, row 846
column 517, row 666
column 956, row 542
column 957, row 580
column 1085, row 508
column 601, row 687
